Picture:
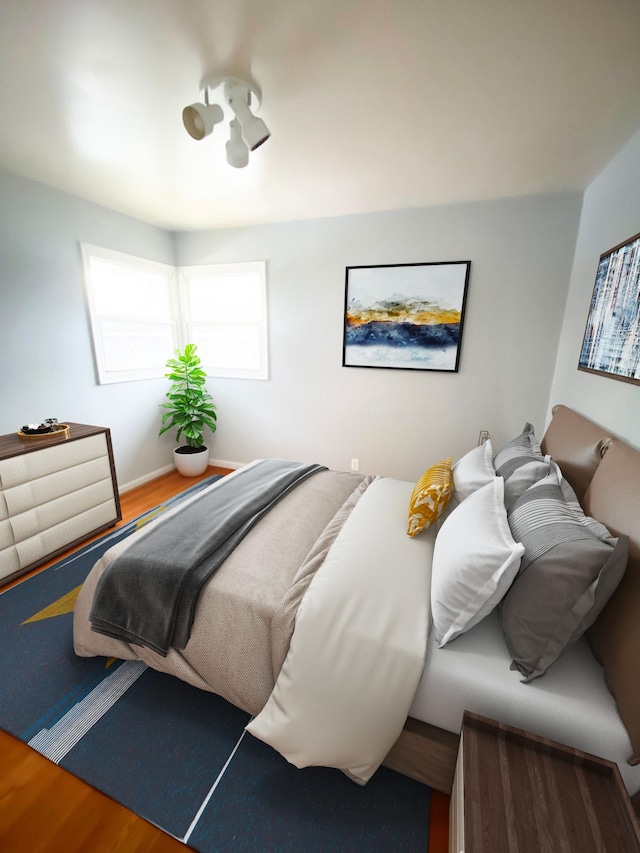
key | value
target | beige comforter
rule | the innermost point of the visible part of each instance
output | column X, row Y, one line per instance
column 246, row 612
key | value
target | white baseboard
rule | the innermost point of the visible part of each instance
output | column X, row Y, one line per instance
column 226, row 463
column 133, row 484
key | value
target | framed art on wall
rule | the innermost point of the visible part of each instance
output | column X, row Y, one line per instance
column 406, row 316
column 611, row 344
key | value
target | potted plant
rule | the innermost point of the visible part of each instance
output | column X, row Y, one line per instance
column 190, row 409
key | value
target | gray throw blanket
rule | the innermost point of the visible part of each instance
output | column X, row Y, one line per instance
column 148, row 594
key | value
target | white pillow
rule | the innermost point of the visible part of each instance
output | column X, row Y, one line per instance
column 474, row 470
column 475, row 561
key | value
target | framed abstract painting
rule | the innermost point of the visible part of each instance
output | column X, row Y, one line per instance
column 611, row 344
column 406, row 316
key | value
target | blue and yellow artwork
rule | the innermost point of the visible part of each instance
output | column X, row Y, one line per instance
column 405, row 316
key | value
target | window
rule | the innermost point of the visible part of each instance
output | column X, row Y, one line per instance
column 142, row 310
column 225, row 314
column 133, row 310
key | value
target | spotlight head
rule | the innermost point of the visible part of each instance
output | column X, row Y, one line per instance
column 254, row 130
column 237, row 151
column 199, row 119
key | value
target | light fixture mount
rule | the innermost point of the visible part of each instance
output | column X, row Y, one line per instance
column 216, row 80
column 246, row 130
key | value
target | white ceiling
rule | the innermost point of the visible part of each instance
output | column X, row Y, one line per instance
column 372, row 104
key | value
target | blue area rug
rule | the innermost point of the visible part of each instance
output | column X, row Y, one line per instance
column 176, row 755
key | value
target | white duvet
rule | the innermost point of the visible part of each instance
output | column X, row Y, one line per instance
column 358, row 648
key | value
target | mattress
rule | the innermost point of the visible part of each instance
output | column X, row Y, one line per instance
column 570, row 703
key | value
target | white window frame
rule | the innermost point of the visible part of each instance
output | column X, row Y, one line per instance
column 106, row 376
column 181, row 323
column 226, row 271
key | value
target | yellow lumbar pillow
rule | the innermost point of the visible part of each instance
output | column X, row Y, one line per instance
column 430, row 496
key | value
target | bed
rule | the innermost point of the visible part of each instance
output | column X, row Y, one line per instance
column 335, row 643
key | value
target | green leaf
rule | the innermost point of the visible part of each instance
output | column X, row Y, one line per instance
column 189, row 407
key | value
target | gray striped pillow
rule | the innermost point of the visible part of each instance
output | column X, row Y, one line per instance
column 521, row 464
column 570, row 568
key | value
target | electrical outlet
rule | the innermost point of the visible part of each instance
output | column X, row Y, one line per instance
column 355, row 465
column 484, row 436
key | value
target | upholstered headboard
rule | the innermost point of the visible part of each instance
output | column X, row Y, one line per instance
column 605, row 474
column 577, row 445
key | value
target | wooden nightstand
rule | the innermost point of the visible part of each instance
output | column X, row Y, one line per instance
column 515, row 792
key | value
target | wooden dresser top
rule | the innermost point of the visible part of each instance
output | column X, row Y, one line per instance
column 13, row 445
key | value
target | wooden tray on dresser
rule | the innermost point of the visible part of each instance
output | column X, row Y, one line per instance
column 62, row 432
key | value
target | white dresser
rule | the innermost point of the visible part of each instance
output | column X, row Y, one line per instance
column 54, row 492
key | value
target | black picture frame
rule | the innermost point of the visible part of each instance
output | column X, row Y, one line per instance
column 405, row 316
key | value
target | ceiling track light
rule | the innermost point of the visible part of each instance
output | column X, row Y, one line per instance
column 246, row 131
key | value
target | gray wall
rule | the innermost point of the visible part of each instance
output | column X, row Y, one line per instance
column 396, row 422
column 610, row 215
column 45, row 344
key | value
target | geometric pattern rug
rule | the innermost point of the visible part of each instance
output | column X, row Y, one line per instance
column 176, row 755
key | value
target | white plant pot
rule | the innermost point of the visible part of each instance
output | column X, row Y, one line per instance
column 191, row 464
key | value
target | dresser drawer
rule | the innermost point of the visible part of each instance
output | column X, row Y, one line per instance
column 9, row 562
column 31, row 466
column 54, row 539
column 45, row 489
column 52, row 513
column 6, row 533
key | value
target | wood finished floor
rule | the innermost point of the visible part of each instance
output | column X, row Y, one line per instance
column 41, row 804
